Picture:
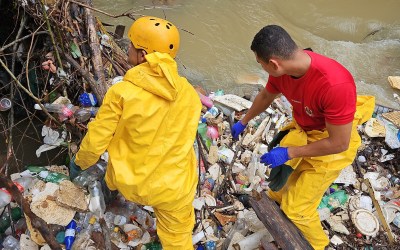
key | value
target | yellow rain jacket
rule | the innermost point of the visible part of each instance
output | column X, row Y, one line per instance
column 312, row 176
column 148, row 123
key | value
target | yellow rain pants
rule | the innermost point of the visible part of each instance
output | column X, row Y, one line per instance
column 148, row 124
column 302, row 193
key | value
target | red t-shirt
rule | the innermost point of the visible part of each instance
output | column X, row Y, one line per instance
column 326, row 92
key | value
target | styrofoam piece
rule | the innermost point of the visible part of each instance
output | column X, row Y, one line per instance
column 197, row 237
column 337, row 225
column 336, row 240
column 233, row 101
column 389, row 212
column 347, row 176
column 375, row 128
column 324, row 213
column 365, row 221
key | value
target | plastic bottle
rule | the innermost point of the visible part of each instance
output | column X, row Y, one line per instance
column 153, row 246
column 115, row 236
column 393, row 179
column 84, row 235
column 5, row 221
column 10, row 243
column 70, row 234
column 210, row 245
column 205, row 100
column 143, row 218
column 69, row 110
column 97, row 204
column 238, row 227
column 23, row 183
column 20, row 227
column 93, row 173
column 84, row 114
column 334, row 200
column 47, row 175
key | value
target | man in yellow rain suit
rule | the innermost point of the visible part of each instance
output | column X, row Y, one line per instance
column 148, row 124
column 321, row 140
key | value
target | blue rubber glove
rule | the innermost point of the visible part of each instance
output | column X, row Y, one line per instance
column 275, row 157
column 237, row 129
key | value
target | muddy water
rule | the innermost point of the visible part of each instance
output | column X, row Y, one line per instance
column 362, row 35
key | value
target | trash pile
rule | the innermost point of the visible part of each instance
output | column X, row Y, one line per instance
column 361, row 209
column 67, row 76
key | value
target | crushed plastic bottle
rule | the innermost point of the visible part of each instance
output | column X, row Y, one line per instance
column 84, row 236
column 238, row 227
column 93, row 173
column 11, row 243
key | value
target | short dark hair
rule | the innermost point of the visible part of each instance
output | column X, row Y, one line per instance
column 273, row 40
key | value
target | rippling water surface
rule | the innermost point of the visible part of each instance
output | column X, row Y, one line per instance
column 362, row 35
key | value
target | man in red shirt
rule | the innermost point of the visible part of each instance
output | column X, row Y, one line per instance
column 321, row 140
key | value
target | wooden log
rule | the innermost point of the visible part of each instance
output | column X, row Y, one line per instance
column 100, row 88
column 37, row 222
column 284, row 232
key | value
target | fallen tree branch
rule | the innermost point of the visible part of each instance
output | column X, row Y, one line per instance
column 100, row 88
column 37, row 222
column 21, row 39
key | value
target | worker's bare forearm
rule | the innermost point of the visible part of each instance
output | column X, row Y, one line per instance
column 337, row 142
column 260, row 104
column 318, row 148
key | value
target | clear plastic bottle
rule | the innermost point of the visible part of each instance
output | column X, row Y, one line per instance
column 143, row 218
column 23, row 183
column 97, row 205
column 115, row 236
column 10, row 243
column 5, row 198
column 84, row 235
column 93, row 173
column 238, row 227
column 69, row 110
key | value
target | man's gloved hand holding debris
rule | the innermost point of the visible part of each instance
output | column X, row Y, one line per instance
column 237, row 129
column 280, row 172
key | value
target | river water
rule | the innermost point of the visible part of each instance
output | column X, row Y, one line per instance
column 362, row 35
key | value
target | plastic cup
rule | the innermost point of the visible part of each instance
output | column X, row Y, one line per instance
column 5, row 104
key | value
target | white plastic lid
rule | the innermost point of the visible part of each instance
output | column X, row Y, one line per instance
column 365, row 222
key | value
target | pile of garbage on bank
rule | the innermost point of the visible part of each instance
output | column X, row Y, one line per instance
column 72, row 69
column 230, row 173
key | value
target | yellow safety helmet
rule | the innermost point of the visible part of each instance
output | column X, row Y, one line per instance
column 154, row 34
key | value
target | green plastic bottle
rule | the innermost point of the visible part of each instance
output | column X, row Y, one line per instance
column 153, row 246
column 46, row 175
column 334, row 200
column 5, row 222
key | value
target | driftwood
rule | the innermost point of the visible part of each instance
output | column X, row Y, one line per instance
column 284, row 232
column 100, row 88
column 37, row 222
